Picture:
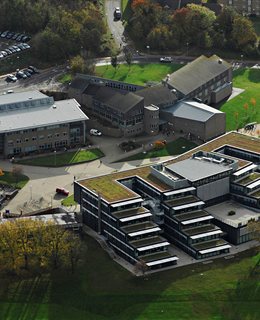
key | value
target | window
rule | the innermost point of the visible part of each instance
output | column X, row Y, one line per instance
column 57, row 134
column 41, row 137
column 18, row 141
column 34, row 138
column 26, row 139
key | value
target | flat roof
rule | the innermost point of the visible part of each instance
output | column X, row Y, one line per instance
column 241, row 218
column 169, row 193
column 136, row 216
column 111, row 191
column 124, row 203
column 16, row 97
column 63, row 111
column 153, row 246
column 254, row 184
column 227, row 246
column 137, row 233
column 244, row 170
column 57, row 218
column 193, row 169
column 189, row 205
column 197, row 236
column 153, row 263
column 209, row 217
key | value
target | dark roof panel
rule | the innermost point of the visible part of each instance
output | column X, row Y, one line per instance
column 197, row 73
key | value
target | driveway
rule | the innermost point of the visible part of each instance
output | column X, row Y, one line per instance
column 116, row 27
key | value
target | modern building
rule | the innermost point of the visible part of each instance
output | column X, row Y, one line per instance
column 33, row 122
column 133, row 209
column 248, row 7
column 206, row 79
column 195, row 118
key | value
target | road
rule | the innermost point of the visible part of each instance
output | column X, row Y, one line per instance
column 116, row 27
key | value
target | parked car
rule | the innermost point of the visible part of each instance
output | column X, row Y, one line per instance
column 14, row 37
column 117, row 13
column 9, row 35
column 1, row 56
column 95, row 132
column 4, row 53
column 26, row 38
column 27, row 73
column 62, row 191
column 21, row 46
column 21, row 75
column 4, row 34
column 35, row 70
column 26, row 45
column 10, row 78
column 8, row 51
column 166, row 59
column 19, row 38
column 16, row 48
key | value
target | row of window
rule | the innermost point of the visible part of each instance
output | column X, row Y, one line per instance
column 36, row 129
column 10, row 143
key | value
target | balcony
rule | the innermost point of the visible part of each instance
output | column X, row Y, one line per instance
column 129, row 212
column 210, row 244
column 200, row 229
column 249, row 179
column 181, row 201
column 190, row 215
column 138, row 227
column 146, row 242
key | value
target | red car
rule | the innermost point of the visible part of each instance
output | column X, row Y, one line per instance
column 62, row 191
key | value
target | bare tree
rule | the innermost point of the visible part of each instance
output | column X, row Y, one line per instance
column 17, row 171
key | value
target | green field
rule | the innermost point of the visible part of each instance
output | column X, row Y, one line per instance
column 69, row 201
column 17, row 182
column 173, row 148
column 102, row 290
column 65, row 158
column 138, row 74
column 248, row 79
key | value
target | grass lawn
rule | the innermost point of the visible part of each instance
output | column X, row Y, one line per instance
column 138, row 73
column 248, row 79
column 173, row 148
column 69, row 201
column 62, row 159
column 65, row 78
column 17, row 182
column 103, row 290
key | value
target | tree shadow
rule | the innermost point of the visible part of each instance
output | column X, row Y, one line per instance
column 243, row 302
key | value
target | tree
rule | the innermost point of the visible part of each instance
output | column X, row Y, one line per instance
column 246, row 106
column 128, row 58
column 16, row 172
column 253, row 102
column 200, row 24
column 243, row 33
column 26, row 243
column 78, row 64
column 114, row 62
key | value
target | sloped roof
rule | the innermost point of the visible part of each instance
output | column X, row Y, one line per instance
column 80, row 84
column 192, row 110
column 197, row 73
column 120, row 101
column 157, row 95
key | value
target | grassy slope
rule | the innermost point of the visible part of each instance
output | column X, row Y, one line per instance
column 248, row 79
column 101, row 289
column 9, row 179
column 138, row 73
column 64, row 158
column 172, row 148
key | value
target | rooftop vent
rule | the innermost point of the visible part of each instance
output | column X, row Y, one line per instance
column 30, row 98
column 220, row 61
column 54, row 106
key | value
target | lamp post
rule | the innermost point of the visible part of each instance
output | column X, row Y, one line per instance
column 31, row 192
column 148, row 49
column 187, row 44
column 242, row 56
